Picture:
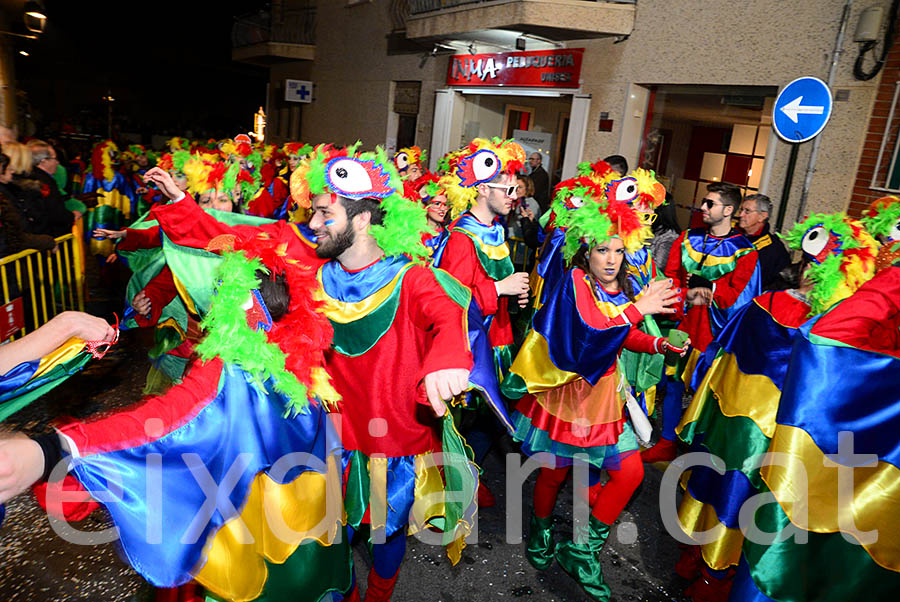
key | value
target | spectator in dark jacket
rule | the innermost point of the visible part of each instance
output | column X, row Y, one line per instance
column 754, row 222
column 45, row 191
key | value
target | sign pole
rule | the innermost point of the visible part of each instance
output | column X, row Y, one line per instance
column 786, row 191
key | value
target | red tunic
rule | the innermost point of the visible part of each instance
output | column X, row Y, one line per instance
column 384, row 408
column 461, row 260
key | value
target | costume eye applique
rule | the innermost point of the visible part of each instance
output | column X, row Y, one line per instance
column 358, row 179
column 575, row 202
column 478, row 168
column 894, row 234
column 624, row 190
column 402, row 161
column 818, row 243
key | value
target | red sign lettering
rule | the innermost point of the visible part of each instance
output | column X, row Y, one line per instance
column 559, row 68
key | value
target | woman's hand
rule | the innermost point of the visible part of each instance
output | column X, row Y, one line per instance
column 658, row 297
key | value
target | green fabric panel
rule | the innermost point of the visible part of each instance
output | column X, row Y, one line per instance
column 73, row 204
column 356, row 491
column 735, row 439
column 52, row 378
column 459, row 478
column 196, row 269
column 61, row 178
column 497, row 269
column 359, row 336
column 171, row 366
column 644, row 370
column 827, row 569
column 310, row 573
column 457, row 291
column 513, row 386
column 102, row 214
column 710, row 272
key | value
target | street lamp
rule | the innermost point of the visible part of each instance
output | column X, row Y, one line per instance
column 35, row 18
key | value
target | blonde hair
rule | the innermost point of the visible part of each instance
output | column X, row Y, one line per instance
column 19, row 157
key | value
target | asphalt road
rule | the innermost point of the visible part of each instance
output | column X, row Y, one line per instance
column 38, row 565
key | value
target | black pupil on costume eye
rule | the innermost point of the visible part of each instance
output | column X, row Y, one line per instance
column 631, row 188
column 489, row 162
column 341, row 172
column 813, row 235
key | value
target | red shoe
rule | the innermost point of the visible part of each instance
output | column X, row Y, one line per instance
column 380, row 589
column 689, row 564
column 709, row 589
column 663, row 451
column 485, row 497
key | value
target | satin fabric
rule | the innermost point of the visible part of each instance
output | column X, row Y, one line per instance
column 640, row 268
column 217, row 436
column 354, row 287
column 490, row 245
column 550, row 269
column 573, row 345
column 27, row 381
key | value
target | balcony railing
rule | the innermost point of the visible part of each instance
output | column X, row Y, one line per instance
column 418, row 7
column 280, row 25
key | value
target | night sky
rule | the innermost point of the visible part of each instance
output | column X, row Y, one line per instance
column 167, row 66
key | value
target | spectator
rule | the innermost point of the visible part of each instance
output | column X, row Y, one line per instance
column 618, row 163
column 665, row 231
column 525, row 206
column 541, row 181
column 40, row 188
column 754, row 222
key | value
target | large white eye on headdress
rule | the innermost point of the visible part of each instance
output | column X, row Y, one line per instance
column 814, row 241
column 576, row 201
column 346, row 176
column 624, row 190
column 894, row 234
column 485, row 165
column 402, row 161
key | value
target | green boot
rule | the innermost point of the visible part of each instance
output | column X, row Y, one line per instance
column 540, row 542
column 582, row 560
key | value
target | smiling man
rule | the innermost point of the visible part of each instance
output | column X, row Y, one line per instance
column 718, row 267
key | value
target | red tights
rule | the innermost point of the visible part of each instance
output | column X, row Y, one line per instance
column 607, row 501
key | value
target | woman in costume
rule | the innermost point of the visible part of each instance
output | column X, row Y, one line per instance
column 738, row 384
column 410, row 163
column 427, row 189
column 572, row 391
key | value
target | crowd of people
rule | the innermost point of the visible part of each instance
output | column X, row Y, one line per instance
column 364, row 312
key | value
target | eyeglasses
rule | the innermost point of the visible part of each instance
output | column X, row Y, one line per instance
column 750, row 211
column 510, row 190
column 709, row 203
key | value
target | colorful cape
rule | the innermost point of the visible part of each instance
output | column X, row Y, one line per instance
column 738, row 384
column 153, row 466
column 837, row 385
column 115, row 209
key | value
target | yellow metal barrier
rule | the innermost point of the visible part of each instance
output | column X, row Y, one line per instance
column 48, row 282
column 520, row 253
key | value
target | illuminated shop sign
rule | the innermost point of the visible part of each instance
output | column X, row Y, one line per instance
column 537, row 68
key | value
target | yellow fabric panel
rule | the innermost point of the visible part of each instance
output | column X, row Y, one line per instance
column 345, row 313
column 533, row 364
column 876, row 494
column 275, row 520
column 753, row 396
column 711, row 260
column 697, row 517
column 61, row 354
column 498, row 252
column 583, row 404
column 185, row 297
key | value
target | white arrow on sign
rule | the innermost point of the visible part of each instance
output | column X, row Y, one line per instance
column 794, row 108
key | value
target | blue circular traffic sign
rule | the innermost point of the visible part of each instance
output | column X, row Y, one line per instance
column 802, row 109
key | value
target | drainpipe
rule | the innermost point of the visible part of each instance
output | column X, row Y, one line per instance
column 835, row 57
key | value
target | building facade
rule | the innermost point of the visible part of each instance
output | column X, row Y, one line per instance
column 686, row 88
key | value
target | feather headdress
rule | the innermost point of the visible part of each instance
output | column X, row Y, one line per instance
column 478, row 163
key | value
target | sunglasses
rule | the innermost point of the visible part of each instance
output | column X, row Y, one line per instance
column 510, row 190
column 708, row 203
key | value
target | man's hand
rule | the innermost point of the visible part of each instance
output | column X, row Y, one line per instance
column 141, row 304
column 164, row 181
column 443, row 385
column 513, row 285
column 87, row 327
column 21, row 465
column 101, row 233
